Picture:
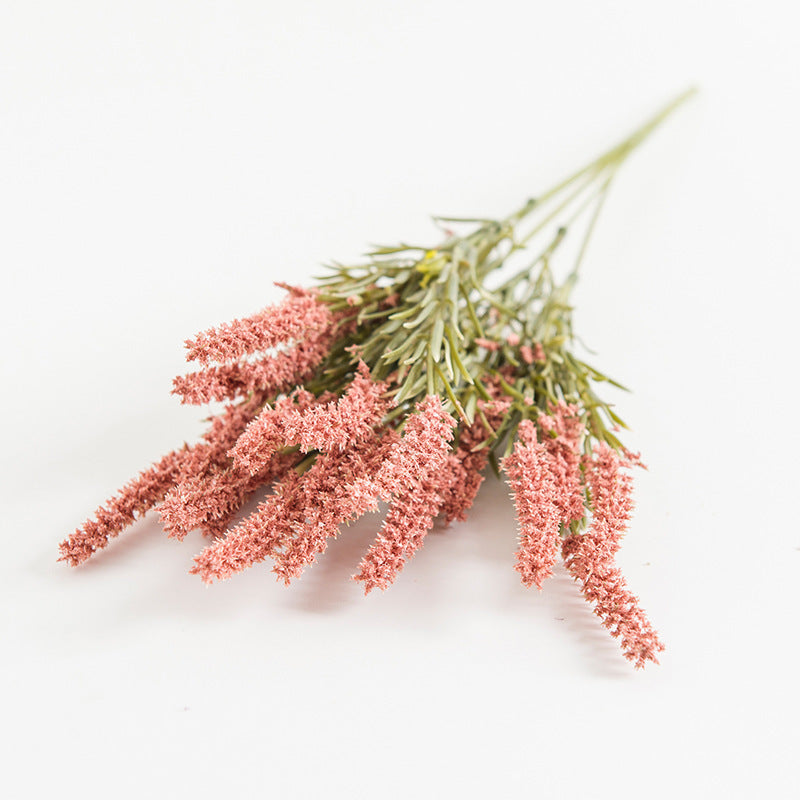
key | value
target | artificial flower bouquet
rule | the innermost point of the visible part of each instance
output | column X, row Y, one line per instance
column 404, row 379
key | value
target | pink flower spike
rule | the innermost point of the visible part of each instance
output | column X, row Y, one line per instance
column 271, row 374
column 531, row 355
column 299, row 315
column 603, row 586
column 590, row 558
column 526, row 353
column 338, row 425
column 144, row 492
column 257, row 537
column 206, row 501
column 339, row 488
column 534, row 490
column 418, row 474
column 133, row 500
column 426, row 436
column 564, row 429
column 410, row 517
column 342, row 483
column 267, row 432
column 610, row 495
column 469, row 463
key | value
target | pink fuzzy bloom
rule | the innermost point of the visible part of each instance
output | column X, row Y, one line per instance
column 341, row 485
column 339, row 488
column 337, row 425
column 272, row 374
column 603, row 585
column 150, row 487
column 534, row 489
column 210, row 456
column 526, row 353
column 590, row 558
column 425, row 436
column 512, row 339
column 254, row 539
column 469, row 463
column 487, row 344
column 300, row 314
column 206, row 489
column 563, row 424
column 267, row 432
column 563, row 429
column 610, row 494
column 294, row 525
column 226, row 428
column 217, row 528
column 465, row 469
column 532, row 354
column 633, row 459
column 211, row 500
column 418, row 474
column 410, row 517
column 134, row 499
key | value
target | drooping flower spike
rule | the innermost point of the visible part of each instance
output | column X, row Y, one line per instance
column 401, row 380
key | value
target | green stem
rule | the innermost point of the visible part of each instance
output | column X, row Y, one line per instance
column 615, row 156
column 603, row 193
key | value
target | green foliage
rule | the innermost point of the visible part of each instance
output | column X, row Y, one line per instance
column 429, row 323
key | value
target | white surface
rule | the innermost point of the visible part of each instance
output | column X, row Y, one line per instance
column 163, row 163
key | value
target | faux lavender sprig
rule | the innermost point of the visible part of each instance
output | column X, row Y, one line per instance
column 400, row 379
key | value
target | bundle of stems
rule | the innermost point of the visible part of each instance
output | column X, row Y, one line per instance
column 401, row 379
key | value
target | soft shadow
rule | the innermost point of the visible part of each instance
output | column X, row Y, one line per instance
column 141, row 534
column 493, row 515
column 327, row 585
column 486, row 543
column 602, row 653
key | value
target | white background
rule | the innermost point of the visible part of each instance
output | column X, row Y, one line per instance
column 162, row 163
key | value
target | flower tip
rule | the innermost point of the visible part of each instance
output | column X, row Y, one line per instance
column 368, row 581
column 526, row 431
column 204, row 567
column 191, row 347
column 370, row 586
column 75, row 552
column 530, row 579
